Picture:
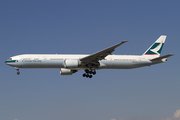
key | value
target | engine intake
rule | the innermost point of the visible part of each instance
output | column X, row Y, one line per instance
column 64, row 71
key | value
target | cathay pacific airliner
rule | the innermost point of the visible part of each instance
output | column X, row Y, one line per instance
column 71, row 63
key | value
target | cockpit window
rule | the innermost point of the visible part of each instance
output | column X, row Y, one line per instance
column 10, row 59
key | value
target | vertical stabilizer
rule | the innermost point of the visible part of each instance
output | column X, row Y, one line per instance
column 156, row 47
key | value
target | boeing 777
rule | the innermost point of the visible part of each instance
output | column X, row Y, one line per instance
column 71, row 63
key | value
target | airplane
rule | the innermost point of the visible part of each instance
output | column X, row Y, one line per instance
column 71, row 63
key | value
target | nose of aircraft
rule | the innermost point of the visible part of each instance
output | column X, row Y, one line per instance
column 6, row 62
column 9, row 62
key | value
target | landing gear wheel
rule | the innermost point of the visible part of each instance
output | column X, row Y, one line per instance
column 84, row 75
column 18, row 73
column 90, row 76
column 89, row 73
column 17, row 70
column 94, row 72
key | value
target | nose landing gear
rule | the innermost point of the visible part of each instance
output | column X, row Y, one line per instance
column 17, row 70
column 89, row 73
column 18, row 73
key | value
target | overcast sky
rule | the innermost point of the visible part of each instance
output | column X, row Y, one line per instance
column 85, row 27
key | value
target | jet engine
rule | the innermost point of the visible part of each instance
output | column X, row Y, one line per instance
column 64, row 71
column 70, row 63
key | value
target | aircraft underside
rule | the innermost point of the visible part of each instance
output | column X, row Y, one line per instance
column 90, row 69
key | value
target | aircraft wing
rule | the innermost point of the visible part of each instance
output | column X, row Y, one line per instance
column 101, row 54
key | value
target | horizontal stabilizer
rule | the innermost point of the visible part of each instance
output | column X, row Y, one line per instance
column 162, row 57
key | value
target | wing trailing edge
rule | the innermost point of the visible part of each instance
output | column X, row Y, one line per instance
column 101, row 54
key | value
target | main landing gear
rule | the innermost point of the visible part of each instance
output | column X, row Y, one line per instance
column 89, row 73
column 17, row 70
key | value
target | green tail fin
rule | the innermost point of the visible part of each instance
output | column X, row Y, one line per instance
column 156, row 47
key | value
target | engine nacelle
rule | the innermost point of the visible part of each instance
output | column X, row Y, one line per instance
column 70, row 63
column 64, row 71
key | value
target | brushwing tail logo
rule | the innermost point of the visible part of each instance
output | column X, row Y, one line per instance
column 155, row 49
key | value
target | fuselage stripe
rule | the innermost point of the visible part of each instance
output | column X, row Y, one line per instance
column 8, row 61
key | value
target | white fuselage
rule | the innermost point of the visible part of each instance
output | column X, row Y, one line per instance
column 58, row 61
column 71, row 63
